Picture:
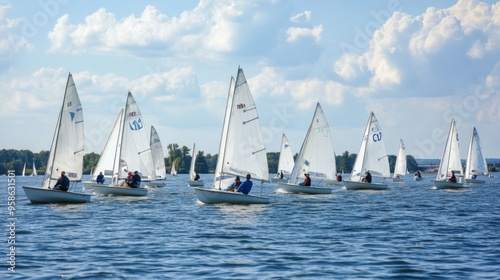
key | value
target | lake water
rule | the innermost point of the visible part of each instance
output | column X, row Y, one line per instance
column 409, row 231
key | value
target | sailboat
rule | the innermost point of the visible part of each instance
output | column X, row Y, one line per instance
column 475, row 163
column 24, row 169
column 316, row 157
column 400, row 169
column 372, row 157
column 173, row 172
column 107, row 158
column 450, row 162
column 192, row 172
column 158, row 161
column 285, row 163
column 129, row 151
column 66, row 153
column 33, row 171
column 241, row 150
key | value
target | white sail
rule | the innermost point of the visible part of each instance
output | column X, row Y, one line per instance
column 192, row 173
column 451, row 156
column 286, row 161
column 218, row 176
column 316, row 155
column 33, row 172
column 173, row 172
column 107, row 158
column 135, row 154
column 158, row 155
column 66, row 153
column 476, row 162
column 400, row 169
column 24, row 169
column 245, row 151
column 372, row 155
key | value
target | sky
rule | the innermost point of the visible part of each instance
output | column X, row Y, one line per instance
column 417, row 64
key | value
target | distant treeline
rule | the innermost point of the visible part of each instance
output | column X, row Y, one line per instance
column 15, row 160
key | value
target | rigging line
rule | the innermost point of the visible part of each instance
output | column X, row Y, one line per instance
column 246, row 110
column 253, row 153
column 144, row 151
column 256, row 118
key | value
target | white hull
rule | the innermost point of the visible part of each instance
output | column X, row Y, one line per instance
column 475, row 181
column 351, row 185
column 213, row 196
column 292, row 188
column 39, row 195
column 416, row 178
column 198, row 183
column 155, row 184
column 334, row 183
column 447, row 185
column 100, row 189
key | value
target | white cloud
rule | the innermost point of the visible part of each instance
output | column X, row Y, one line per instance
column 294, row 33
column 410, row 51
column 302, row 17
column 10, row 42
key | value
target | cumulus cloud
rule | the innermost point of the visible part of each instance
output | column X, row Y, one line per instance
column 416, row 51
column 211, row 30
column 294, row 33
column 10, row 42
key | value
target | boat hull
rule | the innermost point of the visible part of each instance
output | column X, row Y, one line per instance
column 416, row 178
column 351, row 185
column 475, row 181
column 292, row 188
column 447, row 185
column 155, row 184
column 39, row 195
column 196, row 183
column 278, row 180
column 398, row 180
column 214, row 196
column 120, row 191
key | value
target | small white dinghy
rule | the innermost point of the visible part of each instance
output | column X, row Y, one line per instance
column 66, row 153
column 316, row 157
column 476, row 163
column 192, row 173
column 128, row 148
column 241, row 128
column 158, row 161
column 400, row 169
column 372, row 157
column 450, row 162
column 285, row 162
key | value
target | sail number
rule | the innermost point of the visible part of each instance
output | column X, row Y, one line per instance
column 377, row 137
column 240, row 106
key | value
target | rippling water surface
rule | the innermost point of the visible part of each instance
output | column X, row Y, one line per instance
column 409, row 231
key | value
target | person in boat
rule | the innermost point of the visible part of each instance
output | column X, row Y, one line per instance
column 234, row 186
column 62, row 183
column 100, row 178
column 339, row 177
column 246, row 186
column 307, row 181
column 281, row 174
column 127, row 180
column 367, row 178
column 196, row 177
column 136, row 181
column 417, row 173
column 453, row 179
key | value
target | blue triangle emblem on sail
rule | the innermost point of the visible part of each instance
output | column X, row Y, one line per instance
column 72, row 115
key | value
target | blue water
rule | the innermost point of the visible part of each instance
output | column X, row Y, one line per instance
column 411, row 231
